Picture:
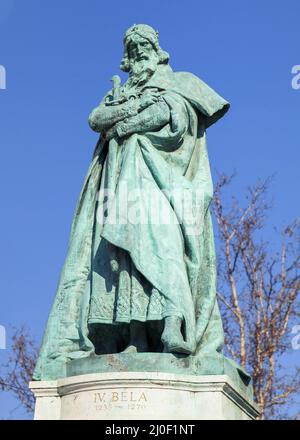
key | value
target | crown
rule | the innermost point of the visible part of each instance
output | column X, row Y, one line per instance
column 143, row 30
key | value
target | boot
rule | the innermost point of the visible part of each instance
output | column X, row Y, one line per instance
column 172, row 337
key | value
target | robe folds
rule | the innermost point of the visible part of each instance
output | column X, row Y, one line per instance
column 118, row 270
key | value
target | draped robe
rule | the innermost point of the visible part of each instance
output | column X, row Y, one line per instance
column 117, row 270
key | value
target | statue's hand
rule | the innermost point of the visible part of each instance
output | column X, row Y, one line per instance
column 149, row 97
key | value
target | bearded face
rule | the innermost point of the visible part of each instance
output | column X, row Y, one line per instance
column 143, row 58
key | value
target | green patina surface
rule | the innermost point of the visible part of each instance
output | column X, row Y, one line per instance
column 147, row 289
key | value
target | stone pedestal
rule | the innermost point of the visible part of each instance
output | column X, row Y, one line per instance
column 142, row 396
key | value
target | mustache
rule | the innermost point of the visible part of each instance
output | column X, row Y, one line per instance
column 142, row 56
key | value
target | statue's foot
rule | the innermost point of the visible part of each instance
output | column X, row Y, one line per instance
column 172, row 338
column 130, row 349
column 177, row 346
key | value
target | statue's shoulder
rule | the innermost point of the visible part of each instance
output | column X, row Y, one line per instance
column 182, row 82
column 201, row 96
column 191, row 83
column 179, row 76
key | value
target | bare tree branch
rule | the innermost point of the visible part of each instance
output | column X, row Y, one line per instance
column 259, row 293
column 19, row 368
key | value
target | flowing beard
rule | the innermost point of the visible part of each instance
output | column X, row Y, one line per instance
column 142, row 70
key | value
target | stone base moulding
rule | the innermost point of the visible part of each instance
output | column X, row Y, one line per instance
column 141, row 396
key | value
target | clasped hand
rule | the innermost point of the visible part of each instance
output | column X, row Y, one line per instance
column 148, row 98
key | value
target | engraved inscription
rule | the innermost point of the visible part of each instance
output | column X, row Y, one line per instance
column 134, row 400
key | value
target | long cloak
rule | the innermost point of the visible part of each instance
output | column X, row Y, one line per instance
column 179, row 264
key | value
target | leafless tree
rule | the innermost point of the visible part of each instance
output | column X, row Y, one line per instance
column 258, row 290
column 17, row 372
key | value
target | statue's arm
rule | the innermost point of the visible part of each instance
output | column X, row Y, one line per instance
column 152, row 118
column 104, row 116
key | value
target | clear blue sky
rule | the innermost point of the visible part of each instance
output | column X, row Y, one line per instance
column 59, row 57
